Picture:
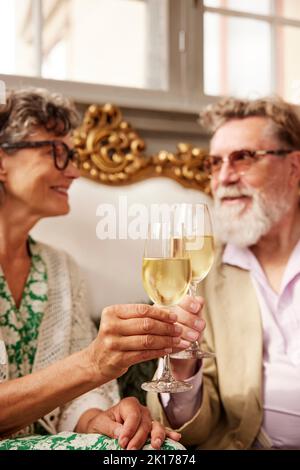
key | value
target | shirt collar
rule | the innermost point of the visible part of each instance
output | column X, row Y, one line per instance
column 245, row 259
column 293, row 266
column 237, row 256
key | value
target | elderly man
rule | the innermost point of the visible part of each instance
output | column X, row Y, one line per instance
column 249, row 396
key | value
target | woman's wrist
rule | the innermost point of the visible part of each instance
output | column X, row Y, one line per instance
column 104, row 365
column 93, row 372
column 82, row 425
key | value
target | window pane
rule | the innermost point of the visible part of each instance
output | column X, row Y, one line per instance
column 16, row 37
column 288, row 9
column 261, row 7
column 288, row 71
column 213, row 3
column 237, row 55
column 114, row 42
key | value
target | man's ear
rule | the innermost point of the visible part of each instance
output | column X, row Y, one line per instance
column 3, row 172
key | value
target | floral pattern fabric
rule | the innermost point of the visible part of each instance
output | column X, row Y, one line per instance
column 74, row 441
column 20, row 326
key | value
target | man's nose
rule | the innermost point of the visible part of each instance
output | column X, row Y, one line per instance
column 227, row 173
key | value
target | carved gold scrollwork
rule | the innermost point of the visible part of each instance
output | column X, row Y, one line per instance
column 111, row 152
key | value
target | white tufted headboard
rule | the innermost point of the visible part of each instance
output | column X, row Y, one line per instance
column 112, row 267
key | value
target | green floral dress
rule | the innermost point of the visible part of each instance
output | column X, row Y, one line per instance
column 20, row 326
column 19, row 330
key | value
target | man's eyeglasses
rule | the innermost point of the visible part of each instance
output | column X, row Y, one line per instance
column 240, row 160
column 61, row 153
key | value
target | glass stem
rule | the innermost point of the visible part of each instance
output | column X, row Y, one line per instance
column 193, row 293
column 167, row 375
column 193, row 289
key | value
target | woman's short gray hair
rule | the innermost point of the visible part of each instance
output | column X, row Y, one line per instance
column 31, row 108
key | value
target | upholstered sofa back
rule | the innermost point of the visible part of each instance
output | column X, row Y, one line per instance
column 112, row 267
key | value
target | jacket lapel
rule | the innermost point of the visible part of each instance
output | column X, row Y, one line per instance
column 244, row 328
column 238, row 342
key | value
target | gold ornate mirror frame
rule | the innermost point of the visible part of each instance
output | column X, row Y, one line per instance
column 111, row 152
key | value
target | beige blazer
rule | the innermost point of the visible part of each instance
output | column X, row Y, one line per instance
column 231, row 412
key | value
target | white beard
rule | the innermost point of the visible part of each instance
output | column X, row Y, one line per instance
column 244, row 229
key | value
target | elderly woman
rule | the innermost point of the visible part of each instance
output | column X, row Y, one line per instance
column 55, row 379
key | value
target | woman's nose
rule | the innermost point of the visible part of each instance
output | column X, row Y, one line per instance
column 72, row 170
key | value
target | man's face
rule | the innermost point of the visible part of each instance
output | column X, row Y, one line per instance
column 248, row 204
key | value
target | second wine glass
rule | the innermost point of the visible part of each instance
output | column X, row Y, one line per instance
column 199, row 246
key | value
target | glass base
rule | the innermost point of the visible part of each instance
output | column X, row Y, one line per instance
column 161, row 386
column 192, row 354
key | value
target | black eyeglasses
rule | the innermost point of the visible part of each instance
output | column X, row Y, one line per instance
column 241, row 160
column 61, row 153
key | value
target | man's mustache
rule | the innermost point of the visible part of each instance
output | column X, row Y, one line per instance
column 232, row 191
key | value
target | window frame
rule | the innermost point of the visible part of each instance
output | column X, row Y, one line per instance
column 185, row 68
column 186, row 61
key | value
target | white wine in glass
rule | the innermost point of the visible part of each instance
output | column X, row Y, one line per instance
column 166, row 280
column 199, row 246
column 166, row 277
column 200, row 249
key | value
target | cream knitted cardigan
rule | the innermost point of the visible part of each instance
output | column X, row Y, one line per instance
column 66, row 328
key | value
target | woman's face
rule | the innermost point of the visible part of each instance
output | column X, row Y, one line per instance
column 31, row 179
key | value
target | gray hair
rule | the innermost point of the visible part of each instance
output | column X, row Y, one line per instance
column 283, row 116
column 28, row 109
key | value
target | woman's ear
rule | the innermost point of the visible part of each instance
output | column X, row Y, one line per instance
column 3, row 172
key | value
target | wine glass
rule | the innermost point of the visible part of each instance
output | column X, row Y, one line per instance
column 166, row 277
column 199, row 246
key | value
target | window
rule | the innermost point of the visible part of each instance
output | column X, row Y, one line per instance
column 16, row 38
column 115, row 42
column 250, row 48
column 112, row 42
column 173, row 55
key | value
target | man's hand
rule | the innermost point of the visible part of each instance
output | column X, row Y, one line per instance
column 130, row 334
column 129, row 422
column 189, row 313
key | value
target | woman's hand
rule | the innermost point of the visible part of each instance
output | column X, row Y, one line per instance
column 130, row 334
column 129, row 422
column 189, row 313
